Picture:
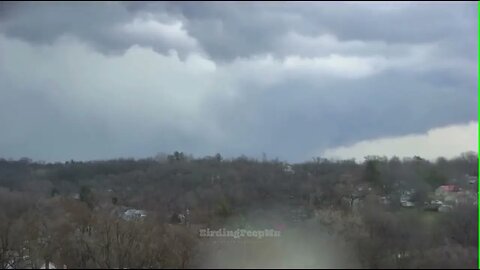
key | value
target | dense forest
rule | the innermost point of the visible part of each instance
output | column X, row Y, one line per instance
column 147, row 213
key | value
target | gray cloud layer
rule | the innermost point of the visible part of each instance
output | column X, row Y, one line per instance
column 98, row 80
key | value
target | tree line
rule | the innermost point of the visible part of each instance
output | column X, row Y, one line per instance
column 69, row 214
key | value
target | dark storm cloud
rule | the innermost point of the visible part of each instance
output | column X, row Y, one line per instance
column 287, row 79
column 230, row 30
column 96, row 23
column 298, row 117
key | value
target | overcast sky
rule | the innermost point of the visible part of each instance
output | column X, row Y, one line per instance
column 292, row 80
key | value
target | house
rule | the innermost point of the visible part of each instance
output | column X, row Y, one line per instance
column 287, row 168
column 134, row 214
column 447, row 194
column 433, row 205
column 406, row 198
column 465, row 182
column 453, row 195
column 447, row 189
column 472, row 180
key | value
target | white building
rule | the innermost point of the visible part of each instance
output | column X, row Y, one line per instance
column 406, row 198
column 134, row 214
column 287, row 168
